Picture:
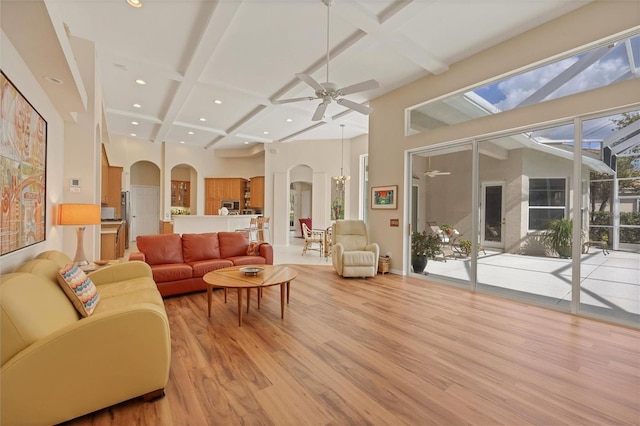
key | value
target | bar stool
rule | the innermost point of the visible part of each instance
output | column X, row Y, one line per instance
column 252, row 229
column 263, row 228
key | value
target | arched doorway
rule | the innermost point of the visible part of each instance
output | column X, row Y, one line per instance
column 145, row 198
column 300, row 197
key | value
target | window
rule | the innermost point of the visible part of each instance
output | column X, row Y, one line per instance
column 547, row 201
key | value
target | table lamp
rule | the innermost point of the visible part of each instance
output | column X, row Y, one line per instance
column 80, row 215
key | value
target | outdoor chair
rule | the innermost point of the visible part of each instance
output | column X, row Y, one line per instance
column 312, row 237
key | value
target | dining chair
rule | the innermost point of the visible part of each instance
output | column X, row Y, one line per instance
column 312, row 237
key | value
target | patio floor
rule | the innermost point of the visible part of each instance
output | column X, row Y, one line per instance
column 610, row 284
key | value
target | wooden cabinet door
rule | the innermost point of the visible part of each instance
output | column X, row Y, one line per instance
column 257, row 191
column 180, row 193
column 115, row 189
column 104, row 187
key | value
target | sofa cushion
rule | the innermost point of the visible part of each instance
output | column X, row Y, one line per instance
column 79, row 289
column 201, row 267
column 358, row 258
column 160, row 249
column 171, row 272
column 200, row 247
column 247, row 260
column 233, row 244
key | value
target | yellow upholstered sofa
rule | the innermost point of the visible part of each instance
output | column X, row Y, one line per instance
column 58, row 366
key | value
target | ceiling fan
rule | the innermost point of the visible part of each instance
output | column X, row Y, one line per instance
column 433, row 173
column 329, row 91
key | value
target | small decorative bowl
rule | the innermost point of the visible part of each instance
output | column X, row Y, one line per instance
column 251, row 271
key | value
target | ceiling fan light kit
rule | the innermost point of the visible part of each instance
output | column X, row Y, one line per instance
column 329, row 91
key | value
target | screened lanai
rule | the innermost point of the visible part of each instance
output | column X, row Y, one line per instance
column 500, row 193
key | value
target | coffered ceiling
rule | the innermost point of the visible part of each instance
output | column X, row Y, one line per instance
column 245, row 54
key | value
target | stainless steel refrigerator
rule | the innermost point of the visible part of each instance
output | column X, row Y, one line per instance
column 125, row 211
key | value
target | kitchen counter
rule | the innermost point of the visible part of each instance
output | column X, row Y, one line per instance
column 195, row 224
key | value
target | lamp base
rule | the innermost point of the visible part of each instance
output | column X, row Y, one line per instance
column 80, row 258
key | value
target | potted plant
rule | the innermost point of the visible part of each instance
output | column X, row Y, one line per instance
column 559, row 235
column 465, row 246
column 447, row 229
column 423, row 247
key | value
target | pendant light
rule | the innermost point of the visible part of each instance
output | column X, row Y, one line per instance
column 342, row 179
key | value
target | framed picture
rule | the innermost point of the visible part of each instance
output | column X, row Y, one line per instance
column 23, row 156
column 384, row 197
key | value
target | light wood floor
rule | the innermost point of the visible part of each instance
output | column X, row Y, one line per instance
column 388, row 350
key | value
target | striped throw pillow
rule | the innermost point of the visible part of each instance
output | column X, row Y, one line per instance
column 79, row 289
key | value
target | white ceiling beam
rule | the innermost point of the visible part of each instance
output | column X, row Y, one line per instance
column 221, row 18
column 385, row 32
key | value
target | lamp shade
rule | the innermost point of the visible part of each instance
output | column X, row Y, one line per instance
column 79, row 214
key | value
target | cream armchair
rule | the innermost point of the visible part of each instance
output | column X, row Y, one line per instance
column 352, row 254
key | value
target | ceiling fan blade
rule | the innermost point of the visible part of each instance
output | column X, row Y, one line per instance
column 317, row 116
column 311, row 82
column 359, row 87
column 286, row 101
column 362, row 109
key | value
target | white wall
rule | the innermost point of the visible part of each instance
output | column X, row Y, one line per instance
column 17, row 71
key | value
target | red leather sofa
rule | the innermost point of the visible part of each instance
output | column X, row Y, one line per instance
column 179, row 262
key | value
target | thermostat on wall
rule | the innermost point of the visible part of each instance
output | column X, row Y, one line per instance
column 74, row 185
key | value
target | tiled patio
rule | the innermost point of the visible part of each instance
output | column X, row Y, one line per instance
column 610, row 284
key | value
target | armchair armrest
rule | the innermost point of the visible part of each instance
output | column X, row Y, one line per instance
column 374, row 248
column 138, row 255
column 104, row 344
column 337, row 251
column 266, row 251
column 120, row 272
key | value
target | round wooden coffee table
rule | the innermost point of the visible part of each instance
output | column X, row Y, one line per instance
column 232, row 277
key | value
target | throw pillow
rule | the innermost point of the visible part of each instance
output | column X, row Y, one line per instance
column 253, row 249
column 79, row 289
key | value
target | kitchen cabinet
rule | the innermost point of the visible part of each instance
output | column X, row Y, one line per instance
column 166, row 227
column 115, row 190
column 256, row 193
column 180, row 193
column 112, row 239
column 218, row 189
column 104, row 187
column 111, row 185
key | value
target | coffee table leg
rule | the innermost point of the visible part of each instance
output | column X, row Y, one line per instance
column 288, row 282
column 209, row 291
column 259, row 296
column 248, row 298
column 225, row 295
column 282, row 300
column 239, row 307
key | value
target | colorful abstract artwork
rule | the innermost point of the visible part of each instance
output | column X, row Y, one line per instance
column 384, row 197
column 23, row 155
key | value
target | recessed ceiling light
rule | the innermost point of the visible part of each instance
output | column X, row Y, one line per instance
column 203, row 119
column 246, row 142
column 217, row 101
column 190, row 133
column 137, row 106
column 53, row 80
column 288, row 120
column 121, row 66
column 135, row 123
column 134, row 3
column 266, row 133
column 141, row 82
column 133, row 134
column 181, row 141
